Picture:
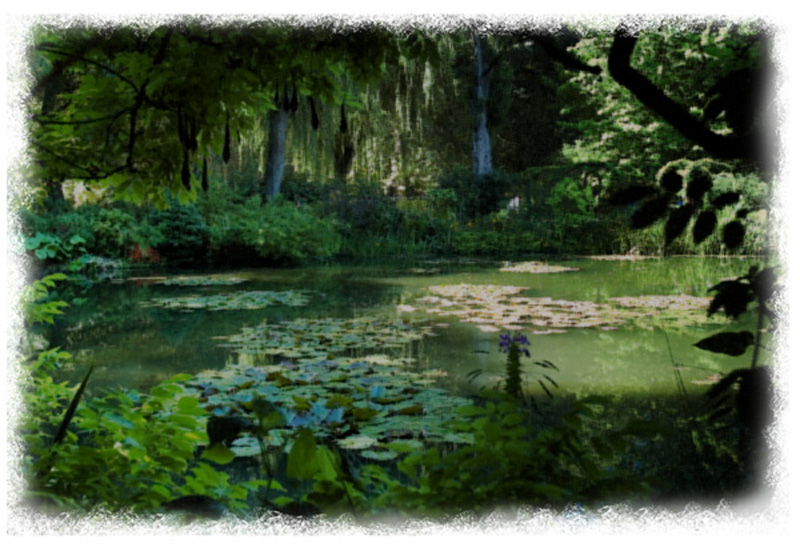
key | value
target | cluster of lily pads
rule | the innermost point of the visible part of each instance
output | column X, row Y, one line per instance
column 628, row 257
column 239, row 300
column 350, row 380
column 202, row 281
column 494, row 307
column 309, row 340
column 536, row 268
column 377, row 408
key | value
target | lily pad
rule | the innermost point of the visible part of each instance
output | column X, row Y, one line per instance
column 241, row 300
column 380, row 455
column 357, row 442
column 368, row 400
column 245, row 447
column 202, row 281
column 494, row 307
column 537, row 268
column 628, row 257
column 314, row 340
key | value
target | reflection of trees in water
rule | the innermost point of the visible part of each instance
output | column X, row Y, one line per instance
column 641, row 359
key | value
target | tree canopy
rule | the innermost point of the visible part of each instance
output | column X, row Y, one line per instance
column 139, row 108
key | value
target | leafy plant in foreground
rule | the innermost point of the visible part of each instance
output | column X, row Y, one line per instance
column 126, row 451
column 509, row 463
column 747, row 393
column 39, row 306
column 685, row 191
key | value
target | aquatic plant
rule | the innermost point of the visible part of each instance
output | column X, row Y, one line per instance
column 536, row 268
column 202, row 280
column 352, row 381
column 309, row 340
column 495, row 307
column 241, row 300
column 514, row 348
column 377, row 410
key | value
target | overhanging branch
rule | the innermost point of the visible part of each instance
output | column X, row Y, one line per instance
column 720, row 146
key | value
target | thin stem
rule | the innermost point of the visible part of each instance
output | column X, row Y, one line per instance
column 759, row 328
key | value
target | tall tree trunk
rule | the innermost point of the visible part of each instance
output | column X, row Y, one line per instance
column 481, row 145
column 276, row 153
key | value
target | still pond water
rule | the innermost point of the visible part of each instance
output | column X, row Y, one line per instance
column 133, row 335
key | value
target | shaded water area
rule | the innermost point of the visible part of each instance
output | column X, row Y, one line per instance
column 134, row 342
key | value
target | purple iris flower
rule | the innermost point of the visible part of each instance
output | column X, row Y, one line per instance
column 519, row 340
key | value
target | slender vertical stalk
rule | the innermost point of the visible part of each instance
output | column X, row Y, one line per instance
column 759, row 328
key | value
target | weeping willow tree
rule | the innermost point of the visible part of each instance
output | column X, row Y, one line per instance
column 416, row 120
column 399, row 131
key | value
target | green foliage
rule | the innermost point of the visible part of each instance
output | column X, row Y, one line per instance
column 123, row 451
column 612, row 126
column 77, row 232
column 364, row 206
column 721, row 214
column 278, row 231
column 572, row 205
column 51, row 247
column 127, row 107
column 477, row 242
column 372, row 223
column 118, row 230
column 185, row 235
column 40, row 307
column 509, row 463
column 476, row 195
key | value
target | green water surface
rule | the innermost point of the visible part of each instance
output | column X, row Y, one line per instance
column 135, row 346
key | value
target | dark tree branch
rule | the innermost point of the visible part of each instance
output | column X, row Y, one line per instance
column 43, row 121
column 60, row 66
column 75, row 59
column 90, row 173
column 719, row 146
column 565, row 58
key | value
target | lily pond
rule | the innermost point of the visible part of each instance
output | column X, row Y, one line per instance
column 399, row 348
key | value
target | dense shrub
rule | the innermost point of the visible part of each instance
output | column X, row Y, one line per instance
column 278, row 232
column 186, row 235
column 476, row 195
column 109, row 231
column 299, row 188
column 490, row 243
column 572, row 206
column 118, row 232
column 364, row 206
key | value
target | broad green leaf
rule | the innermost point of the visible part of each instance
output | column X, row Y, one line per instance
column 327, row 464
column 191, row 406
column 302, row 462
column 219, row 454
